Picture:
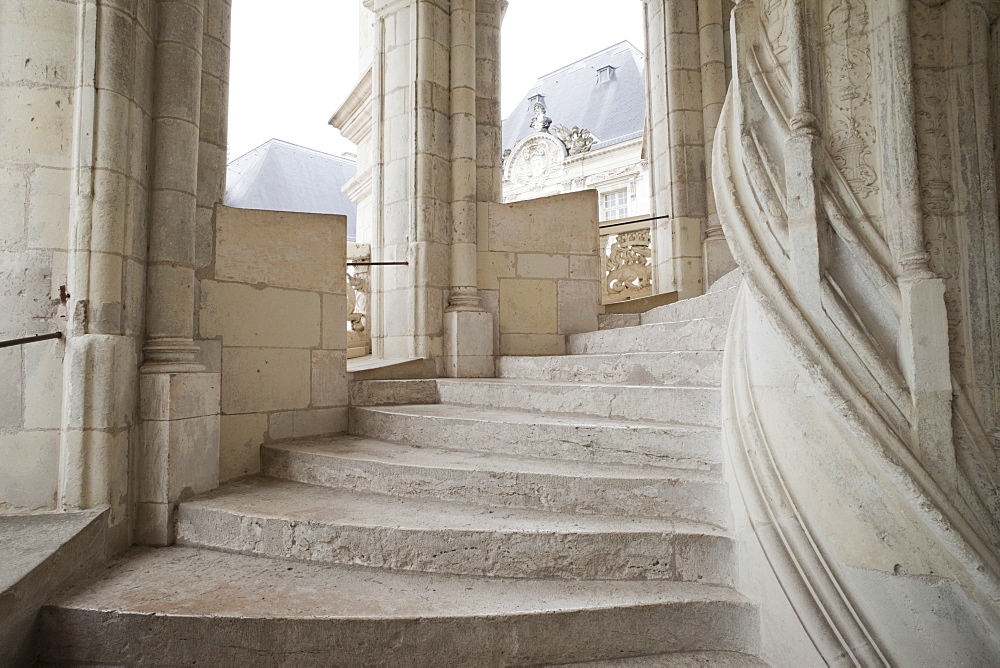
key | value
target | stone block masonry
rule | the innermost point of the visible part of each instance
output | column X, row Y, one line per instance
column 274, row 306
column 533, row 262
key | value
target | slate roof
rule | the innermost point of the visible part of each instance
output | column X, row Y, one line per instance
column 279, row 176
column 614, row 111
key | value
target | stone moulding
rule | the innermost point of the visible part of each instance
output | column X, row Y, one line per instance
column 863, row 388
column 830, row 616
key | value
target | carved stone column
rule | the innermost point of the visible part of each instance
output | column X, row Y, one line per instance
column 179, row 402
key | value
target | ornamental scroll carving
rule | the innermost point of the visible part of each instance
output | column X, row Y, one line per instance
column 628, row 266
column 850, row 131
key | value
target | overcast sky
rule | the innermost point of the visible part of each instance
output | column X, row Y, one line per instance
column 295, row 61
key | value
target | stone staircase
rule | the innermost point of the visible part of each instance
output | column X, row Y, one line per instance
column 571, row 510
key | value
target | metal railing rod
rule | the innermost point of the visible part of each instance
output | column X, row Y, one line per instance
column 630, row 222
column 377, row 264
column 30, row 339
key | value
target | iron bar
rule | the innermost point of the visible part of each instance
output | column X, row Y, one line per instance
column 30, row 339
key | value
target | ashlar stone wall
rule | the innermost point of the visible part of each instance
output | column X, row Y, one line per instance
column 539, row 272
column 276, row 306
column 38, row 88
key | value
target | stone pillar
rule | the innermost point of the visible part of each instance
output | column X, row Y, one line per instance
column 677, row 125
column 802, row 159
column 468, row 328
column 718, row 259
column 426, row 198
column 923, row 342
column 106, row 257
column 179, row 402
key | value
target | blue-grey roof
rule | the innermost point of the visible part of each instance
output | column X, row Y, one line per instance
column 614, row 111
column 279, row 176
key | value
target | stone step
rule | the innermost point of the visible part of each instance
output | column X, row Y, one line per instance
column 368, row 465
column 698, row 334
column 521, row 434
column 717, row 304
column 187, row 606
column 699, row 406
column 679, row 660
column 691, row 368
column 290, row 520
column 392, row 392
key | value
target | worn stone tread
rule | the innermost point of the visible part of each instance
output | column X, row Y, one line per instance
column 514, row 432
column 487, row 478
column 691, row 368
column 281, row 518
column 188, row 606
column 678, row 660
column 672, row 404
column 682, row 335
column 361, row 448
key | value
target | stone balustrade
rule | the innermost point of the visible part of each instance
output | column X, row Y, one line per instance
column 627, row 261
column 359, row 336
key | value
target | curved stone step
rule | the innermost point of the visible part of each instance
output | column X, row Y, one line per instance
column 369, row 465
column 717, row 304
column 283, row 519
column 517, row 433
column 697, row 334
column 706, row 659
column 701, row 368
column 700, row 406
column 187, row 606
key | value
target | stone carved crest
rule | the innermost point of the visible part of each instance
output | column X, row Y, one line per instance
column 629, row 266
column 577, row 140
column 535, row 161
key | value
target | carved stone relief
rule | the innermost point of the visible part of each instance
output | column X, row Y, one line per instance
column 773, row 14
column 577, row 140
column 850, row 132
column 628, row 266
column 538, row 160
column 935, row 162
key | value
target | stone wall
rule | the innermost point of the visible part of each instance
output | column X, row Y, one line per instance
column 274, row 308
column 539, row 272
column 38, row 62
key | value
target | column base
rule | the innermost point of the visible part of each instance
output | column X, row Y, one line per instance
column 179, row 454
column 469, row 344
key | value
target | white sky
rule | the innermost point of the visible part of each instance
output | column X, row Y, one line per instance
column 295, row 61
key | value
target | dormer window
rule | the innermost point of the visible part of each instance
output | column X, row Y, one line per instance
column 536, row 99
column 605, row 74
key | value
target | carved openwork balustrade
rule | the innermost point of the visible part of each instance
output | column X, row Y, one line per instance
column 627, row 260
column 359, row 339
